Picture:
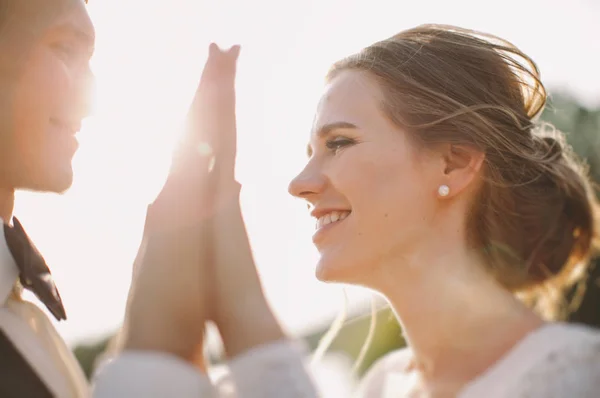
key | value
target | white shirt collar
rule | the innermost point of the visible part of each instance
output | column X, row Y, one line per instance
column 9, row 273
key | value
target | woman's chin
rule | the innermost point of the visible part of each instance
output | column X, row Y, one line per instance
column 334, row 270
column 323, row 273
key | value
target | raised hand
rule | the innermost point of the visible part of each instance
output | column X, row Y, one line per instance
column 202, row 173
column 237, row 303
column 170, row 296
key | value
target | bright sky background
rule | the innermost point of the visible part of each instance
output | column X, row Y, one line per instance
column 148, row 60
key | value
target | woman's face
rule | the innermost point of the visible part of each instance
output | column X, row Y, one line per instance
column 372, row 192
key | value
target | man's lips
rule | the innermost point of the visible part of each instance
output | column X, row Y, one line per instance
column 66, row 126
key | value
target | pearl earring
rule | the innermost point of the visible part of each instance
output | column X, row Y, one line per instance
column 443, row 190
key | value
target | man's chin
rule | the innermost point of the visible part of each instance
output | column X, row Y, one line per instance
column 58, row 183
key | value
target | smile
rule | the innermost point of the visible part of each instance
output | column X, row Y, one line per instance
column 66, row 127
column 331, row 218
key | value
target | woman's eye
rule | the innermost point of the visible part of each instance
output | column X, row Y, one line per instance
column 338, row 143
column 66, row 51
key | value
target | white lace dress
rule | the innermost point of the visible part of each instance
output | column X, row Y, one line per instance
column 556, row 361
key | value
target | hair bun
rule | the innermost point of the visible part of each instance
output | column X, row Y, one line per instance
column 549, row 147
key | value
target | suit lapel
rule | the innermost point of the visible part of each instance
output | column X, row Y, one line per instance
column 17, row 378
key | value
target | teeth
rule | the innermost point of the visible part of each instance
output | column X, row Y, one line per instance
column 332, row 217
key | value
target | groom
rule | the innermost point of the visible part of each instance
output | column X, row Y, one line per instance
column 45, row 77
column 45, row 50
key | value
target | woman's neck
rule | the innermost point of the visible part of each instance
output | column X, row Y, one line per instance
column 457, row 320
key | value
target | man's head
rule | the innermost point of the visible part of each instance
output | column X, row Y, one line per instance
column 45, row 79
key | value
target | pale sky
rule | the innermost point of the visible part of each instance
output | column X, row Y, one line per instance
column 148, row 60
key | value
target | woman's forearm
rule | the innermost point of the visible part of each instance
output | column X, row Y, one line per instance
column 245, row 319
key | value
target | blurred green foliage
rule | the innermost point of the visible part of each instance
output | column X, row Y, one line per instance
column 87, row 354
column 582, row 126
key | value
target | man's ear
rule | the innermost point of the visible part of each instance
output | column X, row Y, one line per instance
column 462, row 164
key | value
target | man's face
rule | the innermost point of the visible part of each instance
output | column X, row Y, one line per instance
column 45, row 80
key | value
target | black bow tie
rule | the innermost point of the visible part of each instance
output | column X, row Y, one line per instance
column 34, row 273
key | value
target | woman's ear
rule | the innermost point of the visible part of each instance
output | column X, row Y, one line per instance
column 462, row 164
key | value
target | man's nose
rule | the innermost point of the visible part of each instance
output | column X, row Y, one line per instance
column 84, row 93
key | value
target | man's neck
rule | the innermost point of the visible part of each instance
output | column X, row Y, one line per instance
column 7, row 203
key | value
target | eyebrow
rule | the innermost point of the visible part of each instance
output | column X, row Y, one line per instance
column 329, row 128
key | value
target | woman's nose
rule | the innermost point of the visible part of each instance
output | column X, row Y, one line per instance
column 308, row 183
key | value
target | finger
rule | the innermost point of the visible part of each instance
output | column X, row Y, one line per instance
column 234, row 51
column 225, row 121
column 220, row 64
column 212, row 117
column 191, row 158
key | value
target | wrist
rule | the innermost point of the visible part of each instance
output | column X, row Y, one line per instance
column 152, row 336
column 250, row 326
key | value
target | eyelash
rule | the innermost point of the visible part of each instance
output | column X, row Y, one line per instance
column 67, row 50
column 336, row 144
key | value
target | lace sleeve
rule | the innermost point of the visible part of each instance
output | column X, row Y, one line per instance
column 274, row 370
column 571, row 372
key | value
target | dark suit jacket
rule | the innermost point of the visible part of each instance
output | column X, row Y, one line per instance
column 17, row 378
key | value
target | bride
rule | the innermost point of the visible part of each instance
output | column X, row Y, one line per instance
column 431, row 182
